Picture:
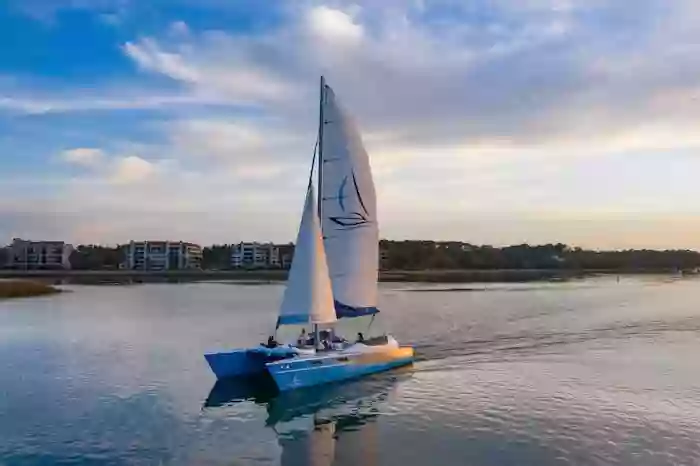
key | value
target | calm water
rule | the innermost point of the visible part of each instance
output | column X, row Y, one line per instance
column 592, row 372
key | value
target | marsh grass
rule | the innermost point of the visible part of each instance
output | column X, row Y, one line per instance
column 25, row 288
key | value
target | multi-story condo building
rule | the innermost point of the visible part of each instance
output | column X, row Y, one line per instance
column 255, row 255
column 33, row 255
column 268, row 255
column 163, row 255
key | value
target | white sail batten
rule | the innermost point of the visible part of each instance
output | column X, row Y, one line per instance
column 349, row 210
column 308, row 297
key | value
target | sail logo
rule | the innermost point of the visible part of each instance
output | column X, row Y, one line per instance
column 350, row 220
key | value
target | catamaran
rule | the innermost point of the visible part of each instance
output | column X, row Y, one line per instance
column 332, row 282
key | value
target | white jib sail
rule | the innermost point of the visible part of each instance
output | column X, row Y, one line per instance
column 308, row 297
column 349, row 210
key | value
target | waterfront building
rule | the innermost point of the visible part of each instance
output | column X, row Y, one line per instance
column 268, row 255
column 255, row 255
column 37, row 255
column 163, row 255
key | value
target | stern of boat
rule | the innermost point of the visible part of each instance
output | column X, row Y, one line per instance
column 246, row 362
column 237, row 363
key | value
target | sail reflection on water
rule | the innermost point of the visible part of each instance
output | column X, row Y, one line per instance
column 358, row 445
column 314, row 448
column 344, row 440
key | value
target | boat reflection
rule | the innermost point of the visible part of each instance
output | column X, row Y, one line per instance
column 327, row 425
column 258, row 389
column 332, row 425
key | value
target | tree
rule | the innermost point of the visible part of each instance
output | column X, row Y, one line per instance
column 91, row 257
column 217, row 256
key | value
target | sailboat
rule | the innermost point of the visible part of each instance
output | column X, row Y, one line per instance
column 333, row 277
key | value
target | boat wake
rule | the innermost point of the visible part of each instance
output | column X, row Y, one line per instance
column 528, row 343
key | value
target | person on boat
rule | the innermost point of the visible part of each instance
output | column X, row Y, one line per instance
column 360, row 337
column 310, row 341
column 337, row 341
column 325, row 339
column 301, row 341
column 271, row 343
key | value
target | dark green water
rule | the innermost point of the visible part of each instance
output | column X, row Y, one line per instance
column 586, row 373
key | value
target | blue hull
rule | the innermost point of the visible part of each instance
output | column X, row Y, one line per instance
column 306, row 372
column 245, row 362
column 236, row 363
column 290, row 372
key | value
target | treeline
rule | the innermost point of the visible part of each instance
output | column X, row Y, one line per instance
column 95, row 257
column 451, row 255
column 421, row 255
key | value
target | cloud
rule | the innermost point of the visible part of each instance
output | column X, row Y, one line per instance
column 212, row 66
column 82, row 103
column 219, row 138
column 148, row 55
column 131, row 169
column 111, row 19
column 537, row 74
column 85, row 156
column 116, row 169
column 179, row 28
column 242, row 147
column 158, row 200
column 532, row 73
column 334, row 25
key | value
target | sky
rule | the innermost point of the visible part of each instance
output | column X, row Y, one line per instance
column 487, row 121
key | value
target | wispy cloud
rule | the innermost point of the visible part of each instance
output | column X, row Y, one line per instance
column 83, row 103
column 211, row 66
column 86, row 156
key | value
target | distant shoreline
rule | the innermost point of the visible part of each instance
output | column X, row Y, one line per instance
column 428, row 276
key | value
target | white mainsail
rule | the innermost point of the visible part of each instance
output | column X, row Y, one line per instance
column 349, row 211
column 308, row 297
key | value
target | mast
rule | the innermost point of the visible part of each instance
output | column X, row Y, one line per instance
column 321, row 122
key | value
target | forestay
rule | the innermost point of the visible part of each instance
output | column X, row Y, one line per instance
column 350, row 229
column 308, row 297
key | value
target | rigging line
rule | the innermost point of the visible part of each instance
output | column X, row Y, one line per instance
column 313, row 162
column 370, row 323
